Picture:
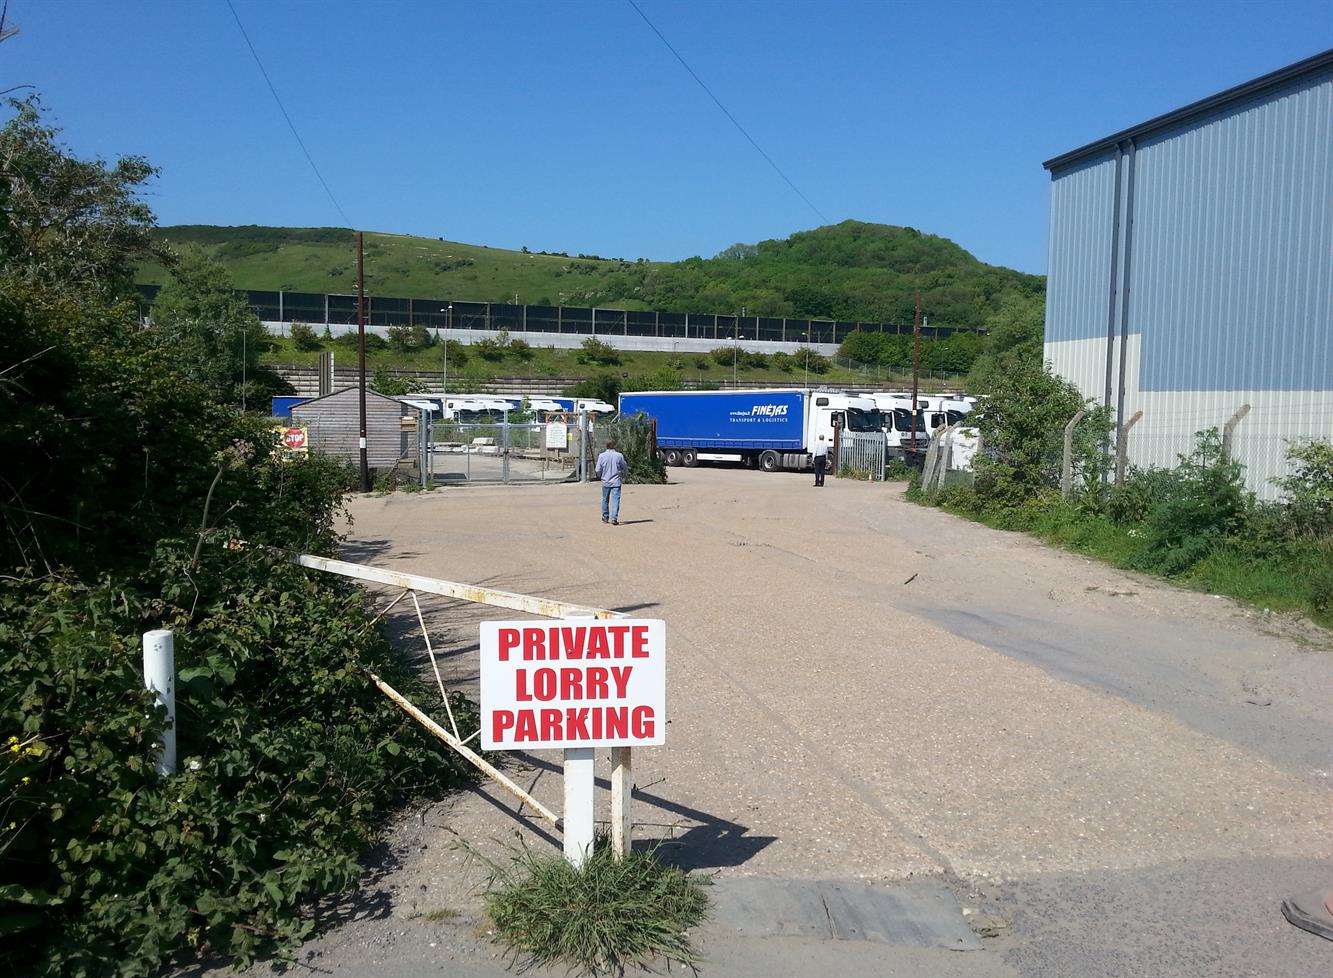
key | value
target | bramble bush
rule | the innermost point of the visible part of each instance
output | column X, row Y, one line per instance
column 124, row 481
column 305, row 338
column 289, row 757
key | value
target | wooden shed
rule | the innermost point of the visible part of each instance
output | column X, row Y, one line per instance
column 334, row 424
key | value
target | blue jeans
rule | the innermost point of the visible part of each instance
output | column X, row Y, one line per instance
column 610, row 503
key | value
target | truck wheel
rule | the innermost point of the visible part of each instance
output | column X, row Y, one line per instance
column 672, row 457
column 689, row 458
column 769, row 461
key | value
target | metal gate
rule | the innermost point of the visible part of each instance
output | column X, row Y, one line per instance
column 861, row 455
column 498, row 452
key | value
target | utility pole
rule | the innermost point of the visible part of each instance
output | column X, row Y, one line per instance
column 361, row 352
column 735, row 345
column 916, row 363
column 448, row 325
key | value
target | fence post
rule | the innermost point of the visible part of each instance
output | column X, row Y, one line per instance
column 578, row 817
column 1122, row 446
column 1067, row 467
column 1230, row 429
column 159, row 676
column 622, row 794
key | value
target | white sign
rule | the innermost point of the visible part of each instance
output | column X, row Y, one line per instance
column 557, row 434
column 577, row 682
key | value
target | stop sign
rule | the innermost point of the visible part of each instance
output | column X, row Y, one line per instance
column 294, row 439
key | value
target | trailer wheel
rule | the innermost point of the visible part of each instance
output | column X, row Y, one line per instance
column 689, row 458
column 769, row 461
column 672, row 457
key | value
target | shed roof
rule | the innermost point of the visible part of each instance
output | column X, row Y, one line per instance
column 370, row 396
column 1253, row 87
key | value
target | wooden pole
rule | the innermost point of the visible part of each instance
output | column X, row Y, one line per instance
column 916, row 364
column 470, row 756
column 1122, row 446
column 361, row 354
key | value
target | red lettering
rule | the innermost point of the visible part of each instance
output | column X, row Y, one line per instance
column 508, row 640
column 571, row 684
column 534, row 643
column 597, row 685
column 544, row 684
column 571, row 641
column 521, row 693
column 643, row 722
column 551, row 725
column 501, row 720
column 597, row 647
column 618, row 633
column 639, row 635
column 617, row 721
column 621, row 676
column 576, row 724
column 525, row 727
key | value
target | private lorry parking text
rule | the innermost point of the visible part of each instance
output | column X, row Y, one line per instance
column 768, row 429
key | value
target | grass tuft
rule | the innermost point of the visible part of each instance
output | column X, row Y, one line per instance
column 598, row 919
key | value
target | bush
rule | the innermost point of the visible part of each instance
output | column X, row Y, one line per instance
column 288, row 756
column 723, row 355
column 520, row 350
column 1022, row 423
column 456, row 351
column 634, row 439
column 490, row 350
column 305, row 338
column 374, row 341
column 594, row 351
column 406, row 339
column 811, row 360
column 394, row 385
column 701, row 362
column 1202, row 504
column 756, row 360
column 1308, row 488
column 603, row 387
column 783, row 361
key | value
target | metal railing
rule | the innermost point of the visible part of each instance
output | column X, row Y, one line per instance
column 319, row 308
column 861, row 455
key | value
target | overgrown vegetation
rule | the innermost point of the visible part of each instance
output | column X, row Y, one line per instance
column 633, row 435
column 1195, row 523
column 109, row 452
column 601, row 918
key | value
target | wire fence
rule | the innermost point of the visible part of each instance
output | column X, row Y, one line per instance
column 319, row 308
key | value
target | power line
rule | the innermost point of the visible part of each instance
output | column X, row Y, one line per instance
column 718, row 103
column 283, row 109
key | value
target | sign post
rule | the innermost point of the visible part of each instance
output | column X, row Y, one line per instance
column 577, row 684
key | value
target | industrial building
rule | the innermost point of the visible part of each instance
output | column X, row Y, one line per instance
column 1191, row 270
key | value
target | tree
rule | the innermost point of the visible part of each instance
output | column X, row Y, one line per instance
column 64, row 222
column 1014, row 340
column 216, row 338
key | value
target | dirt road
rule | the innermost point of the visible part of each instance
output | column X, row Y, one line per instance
column 1115, row 776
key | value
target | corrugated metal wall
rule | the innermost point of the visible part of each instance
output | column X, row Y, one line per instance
column 335, row 426
column 1231, row 280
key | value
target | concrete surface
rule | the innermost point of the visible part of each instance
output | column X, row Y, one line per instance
column 1112, row 776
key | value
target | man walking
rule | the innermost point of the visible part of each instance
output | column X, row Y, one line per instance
column 820, row 455
column 611, row 468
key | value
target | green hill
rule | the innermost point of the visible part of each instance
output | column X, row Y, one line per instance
column 847, row 271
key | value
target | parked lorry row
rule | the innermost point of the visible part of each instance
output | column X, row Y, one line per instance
column 776, row 429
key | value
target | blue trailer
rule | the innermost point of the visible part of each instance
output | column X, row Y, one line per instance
column 770, row 429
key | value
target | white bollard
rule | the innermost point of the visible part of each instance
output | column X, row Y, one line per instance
column 159, row 675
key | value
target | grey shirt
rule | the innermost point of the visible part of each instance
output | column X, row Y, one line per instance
column 611, row 467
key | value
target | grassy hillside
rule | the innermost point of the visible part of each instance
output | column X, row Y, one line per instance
column 324, row 260
column 847, row 271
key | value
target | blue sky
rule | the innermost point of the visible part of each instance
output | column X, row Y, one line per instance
column 569, row 126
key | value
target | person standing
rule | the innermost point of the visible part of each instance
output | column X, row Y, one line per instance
column 820, row 456
column 611, row 468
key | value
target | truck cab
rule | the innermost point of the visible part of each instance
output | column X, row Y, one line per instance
column 897, row 412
